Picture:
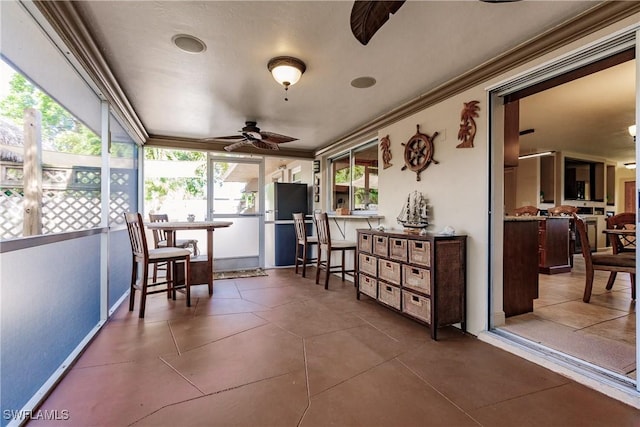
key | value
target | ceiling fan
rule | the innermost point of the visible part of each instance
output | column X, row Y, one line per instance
column 252, row 135
column 368, row 16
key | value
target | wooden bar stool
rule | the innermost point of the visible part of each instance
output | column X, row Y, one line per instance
column 302, row 241
column 143, row 256
column 328, row 245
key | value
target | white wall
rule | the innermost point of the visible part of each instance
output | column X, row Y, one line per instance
column 528, row 193
column 456, row 187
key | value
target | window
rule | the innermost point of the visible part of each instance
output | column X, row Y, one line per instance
column 354, row 179
column 68, row 195
column 296, row 174
column 175, row 182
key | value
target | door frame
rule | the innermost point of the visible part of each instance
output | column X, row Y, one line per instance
column 496, row 198
column 260, row 161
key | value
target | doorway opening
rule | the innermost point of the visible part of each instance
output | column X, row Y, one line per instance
column 566, row 144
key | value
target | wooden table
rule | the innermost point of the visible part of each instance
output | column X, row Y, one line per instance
column 621, row 236
column 201, row 272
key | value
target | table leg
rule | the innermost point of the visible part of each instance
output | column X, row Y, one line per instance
column 170, row 284
column 210, row 260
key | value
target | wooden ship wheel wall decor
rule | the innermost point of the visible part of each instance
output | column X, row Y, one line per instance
column 418, row 152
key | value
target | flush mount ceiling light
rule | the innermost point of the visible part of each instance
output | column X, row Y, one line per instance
column 363, row 82
column 630, row 165
column 189, row 44
column 286, row 70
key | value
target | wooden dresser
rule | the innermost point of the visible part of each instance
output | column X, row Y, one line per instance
column 420, row 276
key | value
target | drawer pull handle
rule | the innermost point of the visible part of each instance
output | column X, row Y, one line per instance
column 415, row 271
column 389, row 289
column 415, row 298
column 419, row 245
column 388, row 265
column 380, row 239
column 397, row 243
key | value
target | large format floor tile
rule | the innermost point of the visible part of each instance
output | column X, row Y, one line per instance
column 280, row 351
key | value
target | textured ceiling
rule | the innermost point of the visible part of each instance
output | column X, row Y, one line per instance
column 423, row 45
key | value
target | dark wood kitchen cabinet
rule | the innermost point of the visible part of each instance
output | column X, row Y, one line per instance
column 520, row 264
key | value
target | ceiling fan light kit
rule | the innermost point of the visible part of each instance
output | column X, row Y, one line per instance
column 286, row 70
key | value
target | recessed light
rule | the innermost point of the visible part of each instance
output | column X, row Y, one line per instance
column 363, row 82
column 188, row 43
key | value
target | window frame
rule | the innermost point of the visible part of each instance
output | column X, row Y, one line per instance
column 351, row 155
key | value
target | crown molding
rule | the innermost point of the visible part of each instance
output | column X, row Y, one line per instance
column 590, row 21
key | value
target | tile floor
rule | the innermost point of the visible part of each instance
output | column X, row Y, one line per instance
column 601, row 332
column 281, row 351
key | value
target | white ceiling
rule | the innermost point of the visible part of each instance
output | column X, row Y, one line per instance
column 590, row 115
column 423, row 45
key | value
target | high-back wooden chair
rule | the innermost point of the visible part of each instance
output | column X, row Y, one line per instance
column 143, row 256
column 567, row 210
column 160, row 241
column 621, row 243
column 303, row 242
column 327, row 245
column 562, row 210
column 621, row 262
column 526, row 211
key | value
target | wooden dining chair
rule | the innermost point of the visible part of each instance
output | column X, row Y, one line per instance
column 567, row 210
column 304, row 243
column 327, row 245
column 527, row 211
column 621, row 243
column 160, row 241
column 621, row 262
column 144, row 257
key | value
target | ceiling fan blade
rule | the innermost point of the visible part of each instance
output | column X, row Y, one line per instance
column 265, row 145
column 276, row 138
column 225, row 138
column 368, row 16
column 238, row 144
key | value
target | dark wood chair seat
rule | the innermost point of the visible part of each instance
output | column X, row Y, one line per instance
column 621, row 243
column 614, row 263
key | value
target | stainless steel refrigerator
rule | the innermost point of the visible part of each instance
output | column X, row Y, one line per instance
column 282, row 200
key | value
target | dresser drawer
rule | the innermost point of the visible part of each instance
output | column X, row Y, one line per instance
column 418, row 279
column 368, row 264
column 416, row 306
column 368, row 285
column 389, row 271
column 389, row 295
column 420, row 252
column 381, row 245
column 398, row 249
column 365, row 242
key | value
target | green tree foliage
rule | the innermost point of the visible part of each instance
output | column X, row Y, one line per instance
column 156, row 190
column 60, row 129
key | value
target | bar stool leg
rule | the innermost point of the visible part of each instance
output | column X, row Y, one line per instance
column 304, row 260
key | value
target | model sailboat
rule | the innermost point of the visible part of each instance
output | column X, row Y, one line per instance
column 414, row 212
